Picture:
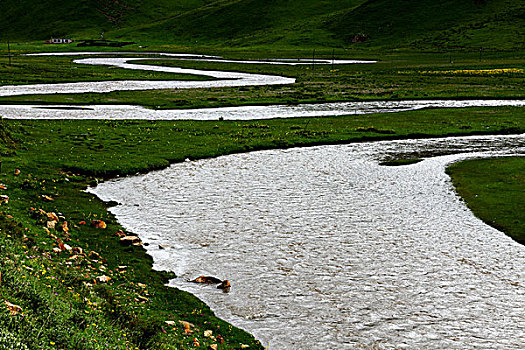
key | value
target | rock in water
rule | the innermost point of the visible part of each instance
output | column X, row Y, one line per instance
column 206, row 279
column 225, row 286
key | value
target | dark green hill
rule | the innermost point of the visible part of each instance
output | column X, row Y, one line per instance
column 496, row 24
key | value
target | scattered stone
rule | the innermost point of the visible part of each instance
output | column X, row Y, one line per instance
column 220, row 339
column 225, row 286
column 51, row 216
column 3, row 187
column 47, row 198
column 187, row 327
column 13, row 309
column 103, row 279
column 208, row 333
column 4, row 199
column 130, row 240
column 64, row 227
column 17, row 172
column 206, row 279
column 213, row 347
column 196, row 343
column 78, row 250
column 51, row 224
column 170, row 323
column 98, row 224
column 57, row 250
column 120, row 234
column 244, row 346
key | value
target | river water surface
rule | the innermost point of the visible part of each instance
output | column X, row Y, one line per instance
column 237, row 113
column 326, row 249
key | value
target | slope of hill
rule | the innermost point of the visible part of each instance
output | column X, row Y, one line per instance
column 496, row 24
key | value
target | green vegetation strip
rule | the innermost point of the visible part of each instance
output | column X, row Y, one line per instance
column 67, row 282
column 397, row 75
column 494, row 190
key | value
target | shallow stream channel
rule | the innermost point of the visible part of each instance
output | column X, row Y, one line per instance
column 327, row 249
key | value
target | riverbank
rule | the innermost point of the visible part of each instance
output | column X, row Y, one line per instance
column 493, row 189
column 77, row 285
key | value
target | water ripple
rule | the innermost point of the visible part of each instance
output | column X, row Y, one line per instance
column 326, row 249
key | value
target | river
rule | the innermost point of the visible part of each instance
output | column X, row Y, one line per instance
column 327, row 249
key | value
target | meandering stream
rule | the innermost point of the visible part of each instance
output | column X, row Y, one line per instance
column 324, row 247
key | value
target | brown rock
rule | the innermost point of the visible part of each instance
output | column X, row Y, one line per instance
column 206, row 279
column 129, row 240
column 187, row 327
column 64, row 227
column 51, row 216
column 103, row 279
column 98, row 224
column 78, row 250
column 13, row 309
column 120, row 234
column 51, row 224
column 225, row 286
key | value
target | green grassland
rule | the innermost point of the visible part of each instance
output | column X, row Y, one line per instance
column 397, row 75
column 63, row 304
column 278, row 23
column 494, row 190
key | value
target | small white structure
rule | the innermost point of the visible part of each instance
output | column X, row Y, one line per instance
column 59, row 41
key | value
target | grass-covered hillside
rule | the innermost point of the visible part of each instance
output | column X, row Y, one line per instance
column 286, row 23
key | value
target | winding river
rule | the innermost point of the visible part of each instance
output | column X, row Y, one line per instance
column 327, row 249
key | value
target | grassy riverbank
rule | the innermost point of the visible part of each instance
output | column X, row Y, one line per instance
column 58, row 273
column 494, row 191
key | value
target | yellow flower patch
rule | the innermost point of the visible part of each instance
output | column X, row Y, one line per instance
column 474, row 72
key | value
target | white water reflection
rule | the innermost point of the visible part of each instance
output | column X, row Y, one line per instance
column 224, row 79
column 237, row 113
column 326, row 249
